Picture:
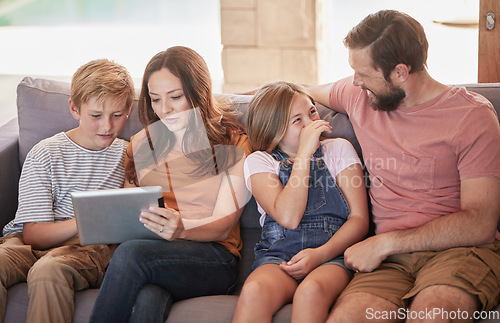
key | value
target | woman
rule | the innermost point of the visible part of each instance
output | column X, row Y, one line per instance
column 194, row 147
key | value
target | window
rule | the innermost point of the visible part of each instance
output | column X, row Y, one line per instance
column 52, row 38
column 453, row 50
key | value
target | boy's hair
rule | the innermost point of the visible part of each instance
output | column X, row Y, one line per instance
column 394, row 38
column 269, row 113
column 102, row 78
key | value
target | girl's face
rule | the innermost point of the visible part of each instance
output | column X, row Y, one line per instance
column 303, row 112
column 168, row 100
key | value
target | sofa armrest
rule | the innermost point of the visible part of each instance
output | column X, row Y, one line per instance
column 10, row 171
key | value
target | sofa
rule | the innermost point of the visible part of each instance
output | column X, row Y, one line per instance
column 43, row 111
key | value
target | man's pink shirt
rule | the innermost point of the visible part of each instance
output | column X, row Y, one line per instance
column 417, row 156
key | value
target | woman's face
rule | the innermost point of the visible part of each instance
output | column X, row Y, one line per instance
column 168, row 100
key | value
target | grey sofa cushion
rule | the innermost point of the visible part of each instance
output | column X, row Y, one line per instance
column 43, row 111
column 9, row 155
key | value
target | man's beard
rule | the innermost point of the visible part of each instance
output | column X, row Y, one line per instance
column 389, row 101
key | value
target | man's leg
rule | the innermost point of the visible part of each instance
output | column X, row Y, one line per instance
column 443, row 303
column 378, row 295
column 456, row 282
column 364, row 307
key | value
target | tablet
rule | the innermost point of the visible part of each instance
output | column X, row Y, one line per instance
column 112, row 216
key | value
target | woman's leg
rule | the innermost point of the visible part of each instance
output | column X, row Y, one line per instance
column 317, row 293
column 151, row 296
column 183, row 268
column 265, row 291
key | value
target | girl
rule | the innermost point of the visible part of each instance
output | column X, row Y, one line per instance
column 312, row 200
column 193, row 146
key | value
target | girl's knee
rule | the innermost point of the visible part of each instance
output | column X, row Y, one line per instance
column 311, row 289
column 254, row 289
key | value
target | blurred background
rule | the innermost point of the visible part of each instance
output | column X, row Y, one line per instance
column 52, row 38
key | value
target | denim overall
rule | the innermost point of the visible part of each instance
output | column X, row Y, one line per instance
column 325, row 212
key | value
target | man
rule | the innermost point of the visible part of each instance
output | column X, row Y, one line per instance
column 433, row 155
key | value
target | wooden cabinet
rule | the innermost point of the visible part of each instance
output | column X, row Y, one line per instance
column 489, row 41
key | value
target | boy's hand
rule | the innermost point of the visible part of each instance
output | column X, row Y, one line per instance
column 165, row 222
column 302, row 263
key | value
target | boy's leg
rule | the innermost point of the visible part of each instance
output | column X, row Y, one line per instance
column 16, row 259
column 317, row 292
column 54, row 277
column 265, row 291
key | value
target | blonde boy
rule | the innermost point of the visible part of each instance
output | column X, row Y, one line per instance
column 41, row 245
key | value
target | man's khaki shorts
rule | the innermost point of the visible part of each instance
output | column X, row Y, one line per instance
column 400, row 277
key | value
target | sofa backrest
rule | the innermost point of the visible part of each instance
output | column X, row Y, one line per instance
column 43, row 111
column 491, row 91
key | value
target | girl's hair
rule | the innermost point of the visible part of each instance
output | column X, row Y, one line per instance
column 394, row 38
column 102, row 78
column 218, row 119
column 269, row 113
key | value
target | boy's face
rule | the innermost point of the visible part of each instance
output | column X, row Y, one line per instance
column 100, row 124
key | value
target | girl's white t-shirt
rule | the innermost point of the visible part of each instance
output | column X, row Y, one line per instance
column 338, row 154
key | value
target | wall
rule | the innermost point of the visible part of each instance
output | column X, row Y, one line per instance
column 268, row 40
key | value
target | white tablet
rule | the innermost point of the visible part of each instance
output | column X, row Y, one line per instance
column 112, row 216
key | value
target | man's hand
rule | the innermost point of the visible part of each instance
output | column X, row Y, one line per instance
column 366, row 255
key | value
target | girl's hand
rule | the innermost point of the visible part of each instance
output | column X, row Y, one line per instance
column 165, row 222
column 309, row 137
column 302, row 263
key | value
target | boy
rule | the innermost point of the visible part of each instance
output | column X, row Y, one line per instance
column 41, row 245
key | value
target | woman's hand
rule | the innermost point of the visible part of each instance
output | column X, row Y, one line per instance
column 309, row 137
column 165, row 222
column 302, row 263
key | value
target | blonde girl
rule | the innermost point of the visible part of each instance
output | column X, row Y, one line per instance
column 312, row 201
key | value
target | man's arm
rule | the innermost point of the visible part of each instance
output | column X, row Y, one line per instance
column 475, row 224
column 321, row 93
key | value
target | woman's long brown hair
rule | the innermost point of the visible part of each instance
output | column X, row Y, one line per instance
column 218, row 119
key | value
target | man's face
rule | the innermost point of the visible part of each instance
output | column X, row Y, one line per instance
column 383, row 95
